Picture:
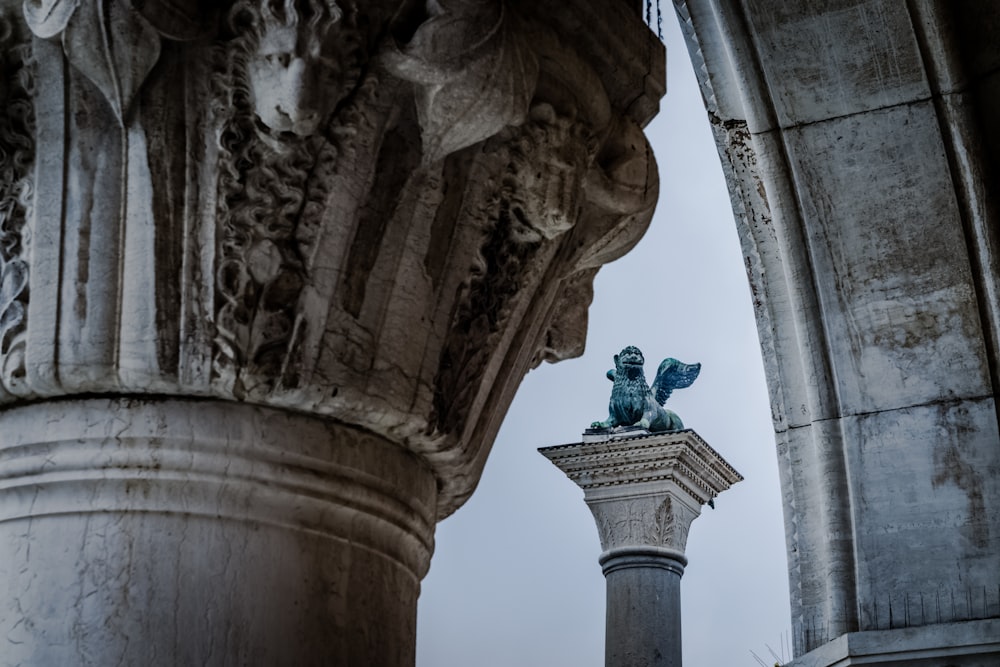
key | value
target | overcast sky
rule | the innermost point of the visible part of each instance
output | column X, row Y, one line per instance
column 514, row 580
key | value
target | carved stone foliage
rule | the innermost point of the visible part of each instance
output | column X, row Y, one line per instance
column 383, row 212
column 16, row 162
column 474, row 72
column 116, row 43
column 654, row 521
column 535, row 200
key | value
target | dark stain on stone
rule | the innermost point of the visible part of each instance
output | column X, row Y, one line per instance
column 455, row 177
column 951, row 467
column 392, row 172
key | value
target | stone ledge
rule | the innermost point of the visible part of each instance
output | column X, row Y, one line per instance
column 964, row 644
column 679, row 456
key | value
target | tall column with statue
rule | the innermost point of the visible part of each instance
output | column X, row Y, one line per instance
column 645, row 478
column 270, row 274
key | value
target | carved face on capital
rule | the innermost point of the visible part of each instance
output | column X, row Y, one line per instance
column 300, row 68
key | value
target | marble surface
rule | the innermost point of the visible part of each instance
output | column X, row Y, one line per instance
column 270, row 275
column 379, row 215
column 857, row 146
column 147, row 532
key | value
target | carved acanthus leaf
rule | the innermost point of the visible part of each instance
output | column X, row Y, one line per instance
column 113, row 46
column 657, row 521
column 111, row 42
column 624, row 180
column 664, row 524
column 48, row 18
column 474, row 74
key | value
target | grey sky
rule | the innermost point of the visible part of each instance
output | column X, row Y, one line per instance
column 514, row 579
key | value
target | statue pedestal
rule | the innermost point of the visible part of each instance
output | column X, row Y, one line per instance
column 644, row 491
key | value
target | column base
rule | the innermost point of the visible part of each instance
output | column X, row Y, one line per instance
column 158, row 532
column 963, row 644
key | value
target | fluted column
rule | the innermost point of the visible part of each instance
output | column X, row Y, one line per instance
column 270, row 275
column 644, row 492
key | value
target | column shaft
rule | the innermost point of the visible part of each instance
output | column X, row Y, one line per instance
column 182, row 532
column 643, row 608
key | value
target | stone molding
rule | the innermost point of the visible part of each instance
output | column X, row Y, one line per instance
column 680, row 456
column 656, row 557
column 385, row 215
column 965, row 644
column 165, row 531
column 217, row 461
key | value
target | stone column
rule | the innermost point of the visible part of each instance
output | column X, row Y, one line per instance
column 869, row 212
column 644, row 491
column 180, row 532
column 270, row 275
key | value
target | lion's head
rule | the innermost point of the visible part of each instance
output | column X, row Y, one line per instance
column 630, row 356
column 300, row 63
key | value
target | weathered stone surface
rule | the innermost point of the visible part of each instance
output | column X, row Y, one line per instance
column 898, row 287
column 812, row 77
column 193, row 532
column 859, row 151
column 966, row 644
column 270, row 274
column 371, row 215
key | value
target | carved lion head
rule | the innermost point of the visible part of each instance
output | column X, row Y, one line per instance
column 299, row 64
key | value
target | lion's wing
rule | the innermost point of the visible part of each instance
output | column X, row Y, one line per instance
column 671, row 375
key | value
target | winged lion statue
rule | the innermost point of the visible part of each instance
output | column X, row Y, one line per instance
column 635, row 403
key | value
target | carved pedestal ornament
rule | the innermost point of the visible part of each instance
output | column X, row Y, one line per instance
column 384, row 213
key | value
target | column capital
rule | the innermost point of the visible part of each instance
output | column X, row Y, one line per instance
column 384, row 215
column 644, row 490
